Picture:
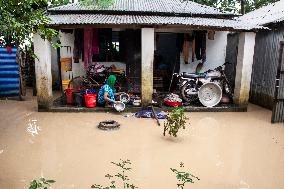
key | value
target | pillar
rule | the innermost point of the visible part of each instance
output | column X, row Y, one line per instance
column 42, row 49
column 147, row 58
column 244, row 67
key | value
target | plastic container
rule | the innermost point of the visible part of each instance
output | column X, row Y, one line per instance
column 210, row 94
column 79, row 99
column 172, row 104
column 90, row 100
column 91, row 91
column 119, row 106
column 69, row 95
column 65, row 84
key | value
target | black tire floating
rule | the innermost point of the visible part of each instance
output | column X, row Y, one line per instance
column 109, row 125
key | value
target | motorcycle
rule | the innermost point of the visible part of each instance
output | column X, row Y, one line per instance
column 191, row 83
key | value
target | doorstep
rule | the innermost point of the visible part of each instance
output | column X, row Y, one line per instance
column 219, row 108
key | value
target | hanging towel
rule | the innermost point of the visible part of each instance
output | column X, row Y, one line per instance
column 200, row 45
column 203, row 47
column 96, row 49
column 192, row 40
column 88, row 40
column 179, row 42
column 78, row 45
column 186, row 48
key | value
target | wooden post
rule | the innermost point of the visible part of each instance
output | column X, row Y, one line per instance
column 42, row 49
column 147, row 58
column 244, row 67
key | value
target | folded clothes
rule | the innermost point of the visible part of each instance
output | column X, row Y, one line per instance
column 149, row 114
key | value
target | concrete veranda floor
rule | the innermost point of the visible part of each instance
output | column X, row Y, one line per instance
column 234, row 150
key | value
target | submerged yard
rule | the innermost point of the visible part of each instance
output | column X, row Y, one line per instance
column 225, row 150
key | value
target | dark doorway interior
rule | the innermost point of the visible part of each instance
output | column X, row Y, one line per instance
column 165, row 60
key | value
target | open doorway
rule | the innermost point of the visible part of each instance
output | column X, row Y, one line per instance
column 166, row 60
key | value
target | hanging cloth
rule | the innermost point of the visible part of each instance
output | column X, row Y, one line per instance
column 193, row 50
column 179, row 42
column 78, row 45
column 203, row 47
column 186, row 48
column 88, row 40
column 200, row 45
column 96, row 49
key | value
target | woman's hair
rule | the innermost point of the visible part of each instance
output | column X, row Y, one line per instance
column 111, row 81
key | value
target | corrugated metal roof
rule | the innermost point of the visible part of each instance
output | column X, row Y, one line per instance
column 158, row 6
column 79, row 19
column 272, row 13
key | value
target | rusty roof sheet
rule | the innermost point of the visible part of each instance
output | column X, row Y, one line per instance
column 156, row 6
column 272, row 13
column 102, row 19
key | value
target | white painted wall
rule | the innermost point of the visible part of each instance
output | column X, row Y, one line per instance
column 67, row 39
column 244, row 67
column 147, row 58
column 215, row 54
column 42, row 49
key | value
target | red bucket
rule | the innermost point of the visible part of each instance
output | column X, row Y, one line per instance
column 69, row 95
column 90, row 100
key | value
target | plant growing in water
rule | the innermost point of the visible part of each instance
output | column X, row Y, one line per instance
column 41, row 183
column 123, row 165
column 183, row 177
column 175, row 120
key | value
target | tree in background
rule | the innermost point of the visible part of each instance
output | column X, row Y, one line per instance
column 251, row 5
column 236, row 6
column 55, row 3
column 20, row 19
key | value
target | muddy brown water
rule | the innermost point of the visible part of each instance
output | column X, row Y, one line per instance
column 225, row 150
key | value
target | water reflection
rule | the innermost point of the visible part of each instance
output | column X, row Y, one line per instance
column 33, row 128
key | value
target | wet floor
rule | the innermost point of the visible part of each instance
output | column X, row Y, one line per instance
column 225, row 150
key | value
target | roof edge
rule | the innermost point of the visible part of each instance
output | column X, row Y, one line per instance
column 141, row 13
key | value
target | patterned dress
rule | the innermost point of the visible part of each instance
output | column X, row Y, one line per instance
column 105, row 88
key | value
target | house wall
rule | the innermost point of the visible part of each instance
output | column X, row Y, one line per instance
column 67, row 39
column 265, row 66
column 215, row 54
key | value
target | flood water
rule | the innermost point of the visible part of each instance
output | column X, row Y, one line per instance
column 225, row 150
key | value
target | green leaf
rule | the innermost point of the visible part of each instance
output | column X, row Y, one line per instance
column 50, row 181
column 33, row 185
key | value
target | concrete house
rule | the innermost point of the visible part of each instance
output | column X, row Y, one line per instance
column 142, row 29
column 267, row 76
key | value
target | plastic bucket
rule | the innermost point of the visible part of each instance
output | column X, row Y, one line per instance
column 69, row 95
column 78, row 98
column 90, row 100
column 65, row 84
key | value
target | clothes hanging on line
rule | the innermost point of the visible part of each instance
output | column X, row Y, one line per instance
column 185, row 51
column 88, row 39
column 91, row 45
column 192, row 39
column 200, row 45
column 78, row 45
column 96, row 49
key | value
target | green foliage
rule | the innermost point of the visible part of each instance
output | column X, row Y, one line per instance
column 21, row 18
column 175, row 121
column 183, row 177
column 235, row 5
column 251, row 5
column 55, row 3
column 123, row 165
column 97, row 3
column 41, row 183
